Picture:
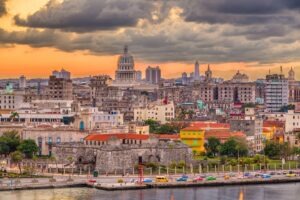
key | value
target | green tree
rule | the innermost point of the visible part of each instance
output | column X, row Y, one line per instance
column 166, row 129
column 234, row 147
column 9, row 141
column 14, row 115
column 17, row 158
column 153, row 125
column 272, row 149
column 285, row 150
column 28, row 147
column 212, row 146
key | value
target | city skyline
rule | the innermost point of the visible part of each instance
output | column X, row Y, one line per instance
column 239, row 38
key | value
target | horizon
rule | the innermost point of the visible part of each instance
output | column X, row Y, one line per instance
column 85, row 37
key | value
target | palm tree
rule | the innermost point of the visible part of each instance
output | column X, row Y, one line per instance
column 14, row 115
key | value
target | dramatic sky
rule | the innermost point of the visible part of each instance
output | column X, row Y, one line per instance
column 86, row 36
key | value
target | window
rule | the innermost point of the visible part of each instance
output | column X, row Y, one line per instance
column 58, row 140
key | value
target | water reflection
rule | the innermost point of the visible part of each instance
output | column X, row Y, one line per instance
column 266, row 192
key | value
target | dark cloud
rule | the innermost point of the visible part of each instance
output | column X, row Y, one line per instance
column 240, row 12
column 211, row 31
column 88, row 15
column 3, row 10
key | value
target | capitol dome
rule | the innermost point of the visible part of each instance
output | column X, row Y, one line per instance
column 125, row 61
column 125, row 71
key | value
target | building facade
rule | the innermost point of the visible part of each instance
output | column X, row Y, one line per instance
column 153, row 75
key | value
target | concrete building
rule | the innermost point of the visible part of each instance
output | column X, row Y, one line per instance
column 22, row 82
column 62, row 74
column 291, row 119
column 11, row 100
column 91, row 118
column 153, row 75
column 59, row 89
column 197, row 71
column 159, row 111
column 47, row 136
column 276, row 92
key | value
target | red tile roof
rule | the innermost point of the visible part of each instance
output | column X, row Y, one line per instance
column 223, row 135
column 168, row 136
column 211, row 125
column 120, row 136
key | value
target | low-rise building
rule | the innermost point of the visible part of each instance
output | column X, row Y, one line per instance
column 46, row 136
column 159, row 111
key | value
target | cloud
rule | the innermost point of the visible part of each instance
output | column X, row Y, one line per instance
column 89, row 15
column 3, row 10
column 240, row 12
column 262, row 31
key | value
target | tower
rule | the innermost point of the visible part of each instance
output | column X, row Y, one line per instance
column 197, row 71
column 208, row 74
column 291, row 74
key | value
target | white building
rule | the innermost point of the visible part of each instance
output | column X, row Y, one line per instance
column 290, row 118
column 276, row 92
column 11, row 100
column 159, row 111
column 91, row 119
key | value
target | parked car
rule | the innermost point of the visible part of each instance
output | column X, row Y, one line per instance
column 147, row 180
column 182, row 179
column 198, row 179
column 211, row 178
column 266, row 176
column 161, row 179
column 91, row 181
column 291, row 175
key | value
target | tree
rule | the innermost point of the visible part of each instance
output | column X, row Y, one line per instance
column 17, row 158
column 166, row 128
column 212, row 146
column 28, row 147
column 14, row 115
column 272, row 149
column 285, row 150
column 153, row 125
column 9, row 141
column 234, row 147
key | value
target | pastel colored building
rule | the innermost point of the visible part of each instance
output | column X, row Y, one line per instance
column 194, row 138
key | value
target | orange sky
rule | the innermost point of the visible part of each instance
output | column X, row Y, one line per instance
column 39, row 62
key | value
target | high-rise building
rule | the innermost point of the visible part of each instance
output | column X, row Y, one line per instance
column 59, row 89
column 276, row 92
column 62, row 74
column 138, row 75
column 197, row 71
column 22, row 82
column 153, row 75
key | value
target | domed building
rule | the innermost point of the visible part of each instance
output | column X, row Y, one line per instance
column 125, row 72
column 240, row 78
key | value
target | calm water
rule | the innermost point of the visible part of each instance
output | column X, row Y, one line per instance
column 257, row 192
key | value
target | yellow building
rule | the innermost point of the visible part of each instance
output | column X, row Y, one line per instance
column 194, row 138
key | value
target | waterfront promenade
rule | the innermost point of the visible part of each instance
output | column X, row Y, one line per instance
column 129, row 182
